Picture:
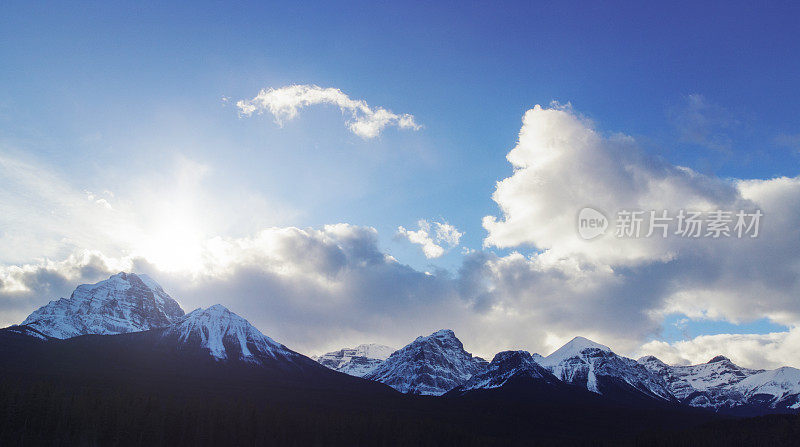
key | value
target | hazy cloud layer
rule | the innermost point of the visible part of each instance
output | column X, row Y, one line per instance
column 284, row 104
column 701, row 122
column 792, row 141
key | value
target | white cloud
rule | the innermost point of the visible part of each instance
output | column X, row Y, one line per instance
column 432, row 237
column 617, row 288
column 284, row 104
column 763, row 351
column 102, row 201
column 562, row 164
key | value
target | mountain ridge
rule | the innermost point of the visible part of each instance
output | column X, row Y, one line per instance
column 431, row 365
column 358, row 361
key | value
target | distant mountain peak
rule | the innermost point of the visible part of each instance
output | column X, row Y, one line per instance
column 429, row 365
column 572, row 348
column 584, row 343
column 598, row 369
column 719, row 358
column 651, row 360
column 358, row 361
column 505, row 356
column 125, row 302
column 443, row 334
column 225, row 336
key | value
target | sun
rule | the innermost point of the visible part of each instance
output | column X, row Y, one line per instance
column 176, row 245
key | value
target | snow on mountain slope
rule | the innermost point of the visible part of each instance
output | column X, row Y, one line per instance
column 596, row 368
column 777, row 388
column 429, row 365
column 508, row 365
column 570, row 349
column 225, row 336
column 724, row 386
column 125, row 302
column 358, row 361
column 705, row 385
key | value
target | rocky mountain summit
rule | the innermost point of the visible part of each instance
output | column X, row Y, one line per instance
column 125, row 302
column 429, row 365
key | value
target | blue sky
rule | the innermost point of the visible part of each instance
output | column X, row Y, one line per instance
column 115, row 97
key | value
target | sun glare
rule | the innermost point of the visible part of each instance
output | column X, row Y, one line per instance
column 176, row 246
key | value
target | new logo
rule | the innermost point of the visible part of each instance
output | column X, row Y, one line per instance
column 591, row 223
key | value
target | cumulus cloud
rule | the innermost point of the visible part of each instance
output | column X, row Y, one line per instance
column 616, row 286
column 284, row 104
column 432, row 237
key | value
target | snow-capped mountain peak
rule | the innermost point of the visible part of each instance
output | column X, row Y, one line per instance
column 572, row 348
column 429, row 365
column 125, row 302
column 225, row 336
column 358, row 361
column 598, row 369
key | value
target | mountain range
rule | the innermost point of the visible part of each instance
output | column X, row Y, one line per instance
column 126, row 329
column 724, row 386
column 429, row 365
